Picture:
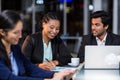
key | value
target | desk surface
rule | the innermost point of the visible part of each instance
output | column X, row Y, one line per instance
column 98, row 75
column 84, row 74
column 95, row 74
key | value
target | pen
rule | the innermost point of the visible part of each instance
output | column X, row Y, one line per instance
column 50, row 62
column 47, row 60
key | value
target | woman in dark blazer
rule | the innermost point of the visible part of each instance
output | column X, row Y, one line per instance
column 34, row 45
column 13, row 64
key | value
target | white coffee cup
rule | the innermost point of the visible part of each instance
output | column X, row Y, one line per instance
column 75, row 61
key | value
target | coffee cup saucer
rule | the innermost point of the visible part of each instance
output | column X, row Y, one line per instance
column 72, row 64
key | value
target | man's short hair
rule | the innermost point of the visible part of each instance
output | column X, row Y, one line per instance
column 105, row 17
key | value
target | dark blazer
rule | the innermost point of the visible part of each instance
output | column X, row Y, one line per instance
column 27, row 70
column 111, row 39
column 33, row 49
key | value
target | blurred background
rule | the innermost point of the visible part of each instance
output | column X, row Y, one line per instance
column 75, row 16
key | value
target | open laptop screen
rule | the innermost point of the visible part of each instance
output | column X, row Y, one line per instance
column 102, row 57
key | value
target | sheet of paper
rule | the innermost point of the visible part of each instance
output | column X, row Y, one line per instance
column 59, row 68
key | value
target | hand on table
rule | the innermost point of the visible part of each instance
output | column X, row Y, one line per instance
column 48, row 65
column 62, row 74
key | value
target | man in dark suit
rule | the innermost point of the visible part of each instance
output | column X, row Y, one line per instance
column 100, row 22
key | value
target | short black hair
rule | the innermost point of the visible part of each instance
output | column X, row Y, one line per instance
column 105, row 17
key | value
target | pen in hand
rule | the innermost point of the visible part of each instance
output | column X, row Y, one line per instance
column 50, row 62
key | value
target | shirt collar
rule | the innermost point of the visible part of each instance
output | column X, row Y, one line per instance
column 10, row 54
column 104, row 39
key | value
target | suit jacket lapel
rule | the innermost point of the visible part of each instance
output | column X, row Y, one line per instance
column 108, row 40
column 53, row 49
column 41, row 47
column 18, row 61
column 93, row 41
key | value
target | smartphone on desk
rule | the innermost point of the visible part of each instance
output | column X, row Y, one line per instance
column 76, row 70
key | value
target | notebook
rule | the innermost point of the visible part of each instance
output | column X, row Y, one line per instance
column 102, row 57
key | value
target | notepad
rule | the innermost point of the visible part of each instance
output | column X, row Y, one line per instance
column 59, row 68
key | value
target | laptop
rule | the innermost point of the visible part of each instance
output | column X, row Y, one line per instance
column 102, row 57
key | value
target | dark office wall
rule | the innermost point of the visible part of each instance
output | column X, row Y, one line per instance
column 11, row 4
